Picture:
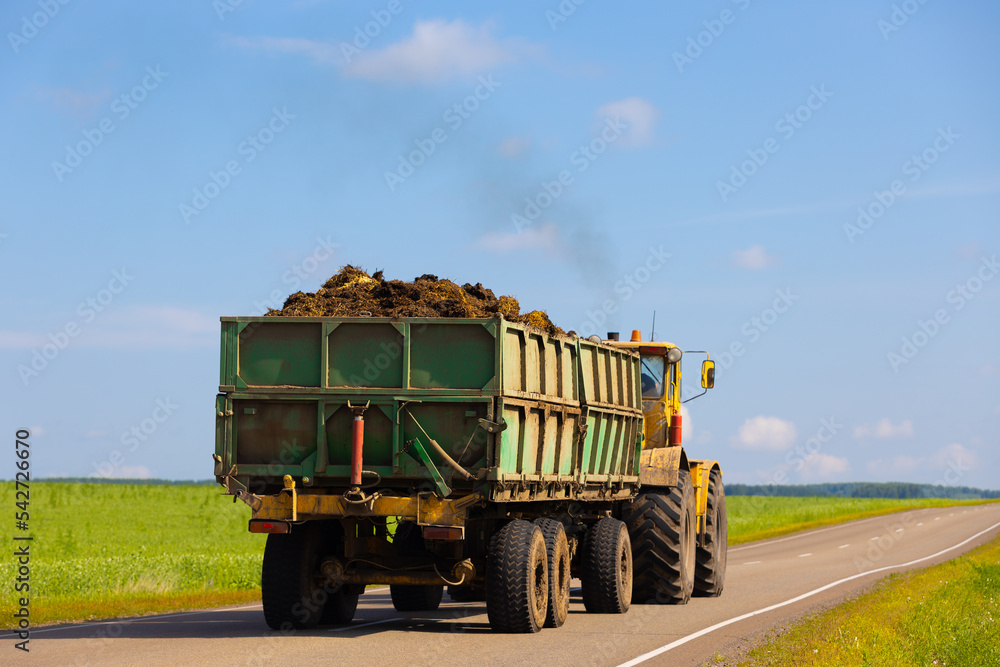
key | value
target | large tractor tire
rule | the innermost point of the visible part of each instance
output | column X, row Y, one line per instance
column 517, row 579
column 710, row 567
column 606, row 561
column 293, row 592
column 410, row 542
column 557, row 552
column 663, row 529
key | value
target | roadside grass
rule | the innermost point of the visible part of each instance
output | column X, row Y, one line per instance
column 753, row 518
column 947, row 614
column 112, row 550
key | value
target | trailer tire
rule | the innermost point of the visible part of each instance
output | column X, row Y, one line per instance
column 557, row 553
column 340, row 606
column 710, row 568
column 607, row 567
column 662, row 527
column 292, row 591
column 517, row 579
column 410, row 541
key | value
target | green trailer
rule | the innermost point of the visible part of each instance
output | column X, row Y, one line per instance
column 480, row 454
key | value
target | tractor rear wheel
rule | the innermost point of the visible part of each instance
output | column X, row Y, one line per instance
column 710, row 568
column 662, row 527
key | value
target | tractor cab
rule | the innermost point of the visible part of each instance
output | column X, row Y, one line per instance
column 661, row 387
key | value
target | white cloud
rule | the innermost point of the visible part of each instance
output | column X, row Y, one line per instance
column 514, row 146
column 754, row 258
column 322, row 53
column 544, row 237
column 885, row 429
column 949, row 460
column 822, row 467
column 78, row 102
column 896, row 467
column 438, row 51
column 127, row 472
column 954, row 455
column 640, row 116
column 150, row 326
column 765, row 434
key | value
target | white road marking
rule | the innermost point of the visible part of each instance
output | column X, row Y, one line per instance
column 921, row 523
column 874, row 538
column 843, row 546
column 753, row 562
column 736, row 619
column 364, row 625
column 804, row 555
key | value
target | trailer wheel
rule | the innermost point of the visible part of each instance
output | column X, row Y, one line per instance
column 517, row 578
column 662, row 527
column 292, row 590
column 340, row 606
column 607, row 567
column 710, row 568
column 557, row 553
column 409, row 541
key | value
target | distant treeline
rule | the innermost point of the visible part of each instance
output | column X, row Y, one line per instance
column 862, row 490
column 115, row 480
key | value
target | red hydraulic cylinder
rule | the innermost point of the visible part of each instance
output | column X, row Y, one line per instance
column 675, row 431
column 357, row 448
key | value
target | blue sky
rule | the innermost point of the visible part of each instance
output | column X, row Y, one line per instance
column 810, row 191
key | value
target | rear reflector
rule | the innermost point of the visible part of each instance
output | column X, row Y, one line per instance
column 443, row 533
column 262, row 526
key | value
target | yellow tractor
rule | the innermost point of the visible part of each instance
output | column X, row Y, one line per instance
column 682, row 501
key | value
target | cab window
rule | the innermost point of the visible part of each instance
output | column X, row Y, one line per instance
column 652, row 376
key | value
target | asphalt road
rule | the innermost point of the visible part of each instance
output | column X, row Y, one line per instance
column 768, row 585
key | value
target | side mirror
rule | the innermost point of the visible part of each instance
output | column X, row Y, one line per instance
column 707, row 374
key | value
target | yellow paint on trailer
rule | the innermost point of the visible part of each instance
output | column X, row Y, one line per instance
column 424, row 510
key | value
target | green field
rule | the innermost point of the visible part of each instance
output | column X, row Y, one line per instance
column 107, row 550
column 948, row 614
column 762, row 517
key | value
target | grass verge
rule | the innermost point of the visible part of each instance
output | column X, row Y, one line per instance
column 753, row 518
column 947, row 614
